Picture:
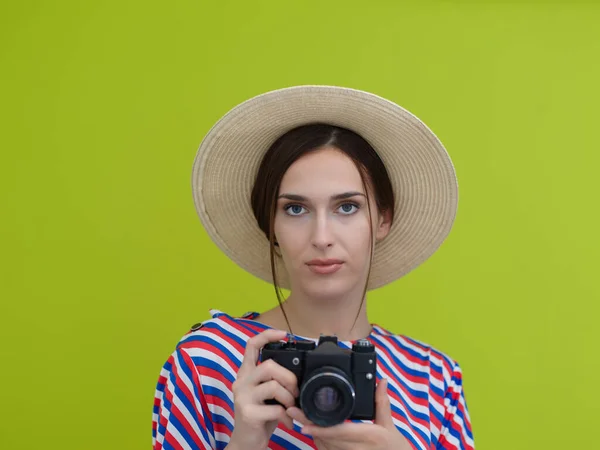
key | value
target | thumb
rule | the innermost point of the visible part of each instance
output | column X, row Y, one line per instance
column 383, row 408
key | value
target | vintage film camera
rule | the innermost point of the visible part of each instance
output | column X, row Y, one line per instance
column 335, row 384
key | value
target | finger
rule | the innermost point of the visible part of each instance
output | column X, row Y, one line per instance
column 287, row 421
column 257, row 342
column 270, row 370
column 383, row 408
column 264, row 413
column 298, row 415
column 347, row 432
column 273, row 390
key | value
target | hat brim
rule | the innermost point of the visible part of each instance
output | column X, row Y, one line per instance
column 420, row 169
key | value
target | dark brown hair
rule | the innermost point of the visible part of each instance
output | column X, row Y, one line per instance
column 299, row 142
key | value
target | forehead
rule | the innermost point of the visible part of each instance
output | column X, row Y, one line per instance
column 326, row 169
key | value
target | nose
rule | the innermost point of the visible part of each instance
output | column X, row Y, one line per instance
column 322, row 236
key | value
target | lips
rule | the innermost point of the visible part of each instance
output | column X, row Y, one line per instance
column 325, row 266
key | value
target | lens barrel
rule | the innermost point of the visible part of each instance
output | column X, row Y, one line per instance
column 327, row 396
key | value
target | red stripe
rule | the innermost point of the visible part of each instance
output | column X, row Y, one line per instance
column 179, row 414
column 456, row 426
column 392, row 346
column 211, row 349
column 170, row 439
column 393, row 341
column 407, row 409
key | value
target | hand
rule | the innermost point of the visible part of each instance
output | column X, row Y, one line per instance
column 255, row 422
column 381, row 435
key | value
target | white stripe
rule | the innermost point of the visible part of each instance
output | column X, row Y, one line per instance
column 460, row 422
column 178, row 437
column 414, row 423
column 422, row 387
column 400, row 424
column 217, row 384
column 435, row 431
column 417, row 386
column 186, row 413
column 408, row 365
column 416, row 348
column 222, row 437
column 437, row 406
column 291, row 439
column 210, row 334
column 437, row 383
column 442, row 363
column 220, row 411
column 232, row 330
column 223, row 364
column 452, row 439
column 159, row 436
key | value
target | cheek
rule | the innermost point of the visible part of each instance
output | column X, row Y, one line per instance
column 291, row 236
column 358, row 243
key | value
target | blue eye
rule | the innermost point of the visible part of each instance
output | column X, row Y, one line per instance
column 347, row 208
column 293, row 210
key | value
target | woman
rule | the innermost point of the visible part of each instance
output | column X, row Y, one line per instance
column 328, row 192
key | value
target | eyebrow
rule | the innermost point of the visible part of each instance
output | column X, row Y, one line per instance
column 300, row 198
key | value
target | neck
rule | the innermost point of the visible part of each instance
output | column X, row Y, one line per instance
column 312, row 317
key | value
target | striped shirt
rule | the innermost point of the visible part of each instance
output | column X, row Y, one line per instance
column 193, row 403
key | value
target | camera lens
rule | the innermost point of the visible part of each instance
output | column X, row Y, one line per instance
column 327, row 396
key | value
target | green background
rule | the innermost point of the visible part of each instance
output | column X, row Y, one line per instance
column 105, row 264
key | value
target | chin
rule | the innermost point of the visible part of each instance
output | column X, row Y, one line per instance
column 328, row 289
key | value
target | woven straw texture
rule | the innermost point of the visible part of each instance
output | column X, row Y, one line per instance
column 422, row 175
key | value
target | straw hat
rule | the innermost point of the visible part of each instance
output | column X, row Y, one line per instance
column 421, row 172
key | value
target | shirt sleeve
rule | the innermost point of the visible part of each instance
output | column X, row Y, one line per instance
column 181, row 418
column 456, row 433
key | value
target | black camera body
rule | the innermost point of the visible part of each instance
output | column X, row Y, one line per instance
column 335, row 384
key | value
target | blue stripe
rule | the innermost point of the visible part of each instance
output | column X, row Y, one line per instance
column 173, row 421
column 161, row 428
column 456, row 434
column 186, row 402
column 392, row 346
column 418, row 431
column 167, row 446
column 221, row 444
column 220, row 419
column 436, row 414
column 392, row 354
column 215, row 392
column 434, row 441
column 427, row 349
column 215, row 344
column 422, row 377
column 392, row 370
column 215, row 325
column 409, row 438
column 201, row 361
column 284, row 443
column 460, row 414
column 422, row 416
column 436, row 390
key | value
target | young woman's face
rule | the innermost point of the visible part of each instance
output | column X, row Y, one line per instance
column 322, row 224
